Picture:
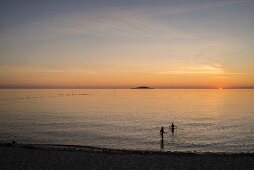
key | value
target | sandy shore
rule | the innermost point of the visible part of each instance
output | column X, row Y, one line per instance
column 18, row 156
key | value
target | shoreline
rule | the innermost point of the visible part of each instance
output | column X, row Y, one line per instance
column 47, row 156
column 86, row 148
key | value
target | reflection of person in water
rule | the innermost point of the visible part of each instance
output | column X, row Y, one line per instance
column 173, row 127
column 162, row 133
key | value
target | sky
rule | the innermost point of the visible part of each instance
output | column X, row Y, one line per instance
column 123, row 44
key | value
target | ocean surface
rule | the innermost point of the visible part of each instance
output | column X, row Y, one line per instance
column 207, row 120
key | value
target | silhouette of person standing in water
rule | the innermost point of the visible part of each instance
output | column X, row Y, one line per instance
column 173, row 127
column 162, row 140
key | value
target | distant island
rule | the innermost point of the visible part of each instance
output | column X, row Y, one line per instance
column 142, row 87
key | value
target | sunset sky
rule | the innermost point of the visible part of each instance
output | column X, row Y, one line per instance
column 122, row 44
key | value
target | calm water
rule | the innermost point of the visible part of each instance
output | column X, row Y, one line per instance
column 207, row 120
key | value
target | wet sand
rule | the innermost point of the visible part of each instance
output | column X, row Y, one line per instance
column 18, row 156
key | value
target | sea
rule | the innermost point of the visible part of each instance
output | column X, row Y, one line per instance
column 207, row 120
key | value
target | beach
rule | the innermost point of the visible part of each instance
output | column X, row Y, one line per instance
column 25, row 156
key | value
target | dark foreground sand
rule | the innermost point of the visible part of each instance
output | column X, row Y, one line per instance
column 20, row 156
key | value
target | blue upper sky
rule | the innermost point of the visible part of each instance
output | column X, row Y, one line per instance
column 15, row 12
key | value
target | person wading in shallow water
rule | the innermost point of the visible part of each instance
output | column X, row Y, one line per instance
column 162, row 140
column 173, row 127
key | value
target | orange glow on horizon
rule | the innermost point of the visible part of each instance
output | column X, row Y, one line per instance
column 79, row 78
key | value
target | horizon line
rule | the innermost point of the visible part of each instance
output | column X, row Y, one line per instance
column 125, row 88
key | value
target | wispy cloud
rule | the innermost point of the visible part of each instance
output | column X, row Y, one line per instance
column 187, row 7
column 197, row 69
column 202, row 69
column 220, row 77
column 9, row 70
column 113, row 23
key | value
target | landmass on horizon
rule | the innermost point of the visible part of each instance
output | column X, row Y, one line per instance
column 142, row 87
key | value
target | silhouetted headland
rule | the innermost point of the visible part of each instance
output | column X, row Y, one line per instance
column 142, row 87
